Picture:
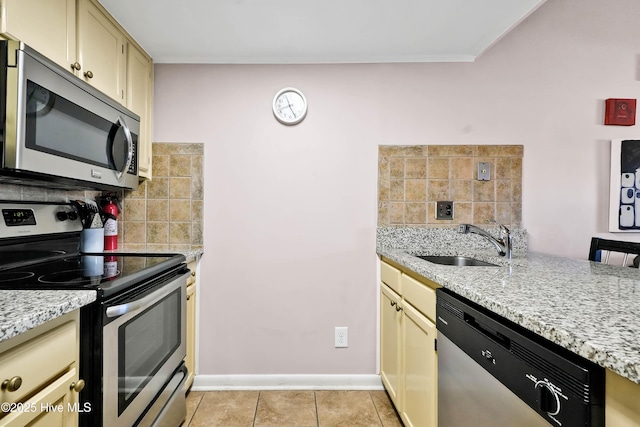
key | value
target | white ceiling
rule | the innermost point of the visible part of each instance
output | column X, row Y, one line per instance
column 317, row 31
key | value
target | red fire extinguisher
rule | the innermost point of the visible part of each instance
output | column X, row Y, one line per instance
column 110, row 210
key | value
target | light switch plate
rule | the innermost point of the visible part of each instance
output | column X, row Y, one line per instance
column 484, row 171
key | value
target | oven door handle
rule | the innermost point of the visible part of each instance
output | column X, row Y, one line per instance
column 119, row 310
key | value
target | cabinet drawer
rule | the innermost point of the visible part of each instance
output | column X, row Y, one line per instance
column 57, row 396
column 390, row 276
column 421, row 296
column 38, row 360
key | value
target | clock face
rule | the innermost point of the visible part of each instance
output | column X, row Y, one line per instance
column 289, row 106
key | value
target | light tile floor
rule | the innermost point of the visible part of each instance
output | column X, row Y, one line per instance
column 291, row 408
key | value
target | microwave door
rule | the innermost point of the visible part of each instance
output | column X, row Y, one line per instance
column 121, row 144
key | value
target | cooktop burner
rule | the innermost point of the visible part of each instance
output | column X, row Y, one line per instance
column 9, row 276
column 73, row 277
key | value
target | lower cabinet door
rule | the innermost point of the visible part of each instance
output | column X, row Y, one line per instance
column 390, row 342
column 419, row 361
column 53, row 406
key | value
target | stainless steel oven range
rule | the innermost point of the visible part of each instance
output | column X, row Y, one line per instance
column 132, row 342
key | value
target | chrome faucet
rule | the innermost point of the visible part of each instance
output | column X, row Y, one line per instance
column 504, row 244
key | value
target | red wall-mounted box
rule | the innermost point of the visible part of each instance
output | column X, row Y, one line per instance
column 620, row 112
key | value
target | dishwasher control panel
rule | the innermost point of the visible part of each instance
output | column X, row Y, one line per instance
column 552, row 385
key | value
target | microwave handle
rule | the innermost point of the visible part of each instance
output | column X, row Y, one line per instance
column 127, row 134
column 119, row 310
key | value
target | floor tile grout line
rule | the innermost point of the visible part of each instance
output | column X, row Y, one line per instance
column 195, row 409
column 315, row 402
column 255, row 412
column 375, row 407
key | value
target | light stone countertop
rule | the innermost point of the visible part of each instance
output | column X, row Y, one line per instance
column 587, row 307
column 23, row 310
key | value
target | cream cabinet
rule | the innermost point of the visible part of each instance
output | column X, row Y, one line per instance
column 390, row 333
column 621, row 401
column 76, row 34
column 408, row 357
column 140, row 101
column 47, row 26
column 190, row 359
column 419, row 369
column 39, row 375
column 101, row 51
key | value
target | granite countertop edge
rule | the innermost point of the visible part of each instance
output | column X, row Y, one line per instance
column 583, row 306
column 22, row 310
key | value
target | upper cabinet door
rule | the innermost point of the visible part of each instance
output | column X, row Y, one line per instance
column 47, row 26
column 140, row 101
column 101, row 51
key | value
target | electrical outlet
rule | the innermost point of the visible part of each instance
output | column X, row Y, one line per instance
column 444, row 210
column 342, row 336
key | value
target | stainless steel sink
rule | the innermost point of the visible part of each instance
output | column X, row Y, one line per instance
column 456, row 260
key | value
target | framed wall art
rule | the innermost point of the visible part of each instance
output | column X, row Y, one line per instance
column 624, row 193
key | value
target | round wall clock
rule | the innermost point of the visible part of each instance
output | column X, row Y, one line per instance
column 289, row 106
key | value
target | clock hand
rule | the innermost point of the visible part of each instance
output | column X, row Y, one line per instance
column 289, row 105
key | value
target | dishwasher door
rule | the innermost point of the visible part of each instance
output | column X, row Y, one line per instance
column 492, row 372
column 468, row 395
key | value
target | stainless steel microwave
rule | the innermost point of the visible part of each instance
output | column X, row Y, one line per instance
column 58, row 129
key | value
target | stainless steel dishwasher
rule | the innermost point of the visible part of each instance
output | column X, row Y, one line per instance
column 492, row 372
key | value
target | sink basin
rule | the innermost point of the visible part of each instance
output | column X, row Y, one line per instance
column 456, row 260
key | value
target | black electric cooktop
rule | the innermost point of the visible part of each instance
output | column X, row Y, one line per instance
column 105, row 273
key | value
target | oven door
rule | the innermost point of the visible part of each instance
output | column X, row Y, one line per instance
column 144, row 344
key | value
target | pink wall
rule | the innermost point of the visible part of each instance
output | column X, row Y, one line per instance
column 290, row 212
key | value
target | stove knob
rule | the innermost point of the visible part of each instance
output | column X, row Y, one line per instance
column 73, row 216
column 62, row 216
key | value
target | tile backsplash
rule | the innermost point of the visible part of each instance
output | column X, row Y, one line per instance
column 166, row 213
column 412, row 178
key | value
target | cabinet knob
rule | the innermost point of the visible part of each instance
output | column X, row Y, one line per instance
column 12, row 384
column 398, row 308
column 193, row 274
column 88, row 74
column 77, row 386
column 188, row 297
column 76, row 66
column 392, row 303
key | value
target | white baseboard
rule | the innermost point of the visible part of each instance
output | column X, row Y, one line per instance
column 286, row 382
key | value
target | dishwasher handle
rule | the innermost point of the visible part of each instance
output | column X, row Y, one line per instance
column 487, row 331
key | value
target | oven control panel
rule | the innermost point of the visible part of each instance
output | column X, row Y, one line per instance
column 17, row 217
column 25, row 218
